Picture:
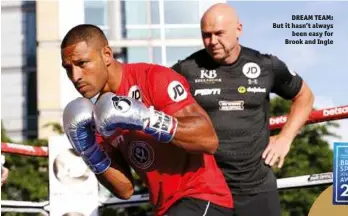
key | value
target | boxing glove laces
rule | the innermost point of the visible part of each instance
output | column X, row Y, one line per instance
column 112, row 111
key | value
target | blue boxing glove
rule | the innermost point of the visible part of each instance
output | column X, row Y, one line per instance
column 112, row 111
column 78, row 122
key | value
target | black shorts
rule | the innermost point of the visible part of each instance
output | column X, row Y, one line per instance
column 197, row 207
column 266, row 203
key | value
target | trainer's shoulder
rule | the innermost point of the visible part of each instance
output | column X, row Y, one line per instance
column 195, row 58
column 253, row 54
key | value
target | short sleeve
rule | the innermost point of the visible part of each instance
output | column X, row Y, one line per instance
column 169, row 91
column 286, row 83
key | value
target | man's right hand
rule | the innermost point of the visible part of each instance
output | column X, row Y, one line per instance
column 123, row 112
column 78, row 122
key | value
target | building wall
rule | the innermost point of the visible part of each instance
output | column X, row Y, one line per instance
column 18, row 69
column 150, row 31
column 54, row 19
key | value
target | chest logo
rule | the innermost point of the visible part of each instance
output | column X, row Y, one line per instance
column 241, row 89
column 208, row 76
column 115, row 142
column 251, row 70
column 231, row 105
column 253, row 82
column 141, row 154
column 203, row 92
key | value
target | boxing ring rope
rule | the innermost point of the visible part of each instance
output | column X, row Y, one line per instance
column 316, row 116
column 25, row 206
column 38, row 151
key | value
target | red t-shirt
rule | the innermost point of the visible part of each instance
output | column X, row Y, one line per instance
column 170, row 172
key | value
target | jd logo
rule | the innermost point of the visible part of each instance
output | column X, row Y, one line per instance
column 251, row 70
column 176, row 91
column 134, row 92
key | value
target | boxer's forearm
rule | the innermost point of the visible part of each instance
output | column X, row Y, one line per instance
column 195, row 135
column 195, row 131
column 116, row 182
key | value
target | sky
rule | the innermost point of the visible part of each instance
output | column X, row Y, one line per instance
column 322, row 67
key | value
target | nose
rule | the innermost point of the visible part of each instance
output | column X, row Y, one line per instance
column 213, row 39
column 76, row 74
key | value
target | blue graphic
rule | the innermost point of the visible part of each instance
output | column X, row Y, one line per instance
column 340, row 174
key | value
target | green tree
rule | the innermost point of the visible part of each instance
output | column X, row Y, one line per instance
column 309, row 154
column 28, row 175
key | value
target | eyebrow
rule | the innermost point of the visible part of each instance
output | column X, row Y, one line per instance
column 213, row 32
column 76, row 61
column 65, row 65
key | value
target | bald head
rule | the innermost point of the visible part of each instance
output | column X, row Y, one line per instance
column 220, row 32
column 220, row 13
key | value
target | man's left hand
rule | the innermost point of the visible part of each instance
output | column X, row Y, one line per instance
column 277, row 149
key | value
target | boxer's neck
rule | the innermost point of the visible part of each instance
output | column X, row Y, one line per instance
column 115, row 77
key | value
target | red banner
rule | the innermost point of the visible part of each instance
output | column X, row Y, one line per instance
column 329, row 114
column 316, row 116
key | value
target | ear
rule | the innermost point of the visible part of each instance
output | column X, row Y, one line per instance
column 239, row 30
column 107, row 55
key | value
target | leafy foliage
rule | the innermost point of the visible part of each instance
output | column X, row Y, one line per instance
column 309, row 154
column 28, row 176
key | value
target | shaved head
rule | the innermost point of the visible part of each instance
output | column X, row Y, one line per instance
column 220, row 32
column 88, row 33
column 219, row 13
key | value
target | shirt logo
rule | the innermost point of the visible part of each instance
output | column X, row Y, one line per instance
column 203, row 92
column 256, row 89
column 231, row 105
column 251, row 70
column 252, row 81
column 134, row 92
column 241, row 89
column 176, row 91
column 115, row 142
column 208, row 76
column 141, row 154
